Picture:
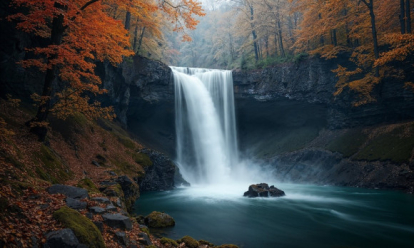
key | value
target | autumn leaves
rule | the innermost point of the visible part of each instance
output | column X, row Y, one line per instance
column 81, row 33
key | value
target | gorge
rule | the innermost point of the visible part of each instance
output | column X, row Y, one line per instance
column 286, row 115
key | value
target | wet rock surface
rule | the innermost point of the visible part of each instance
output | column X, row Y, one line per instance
column 160, row 175
column 69, row 191
column 117, row 221
column 263, row 190
column 75, row 204
column 64, row 238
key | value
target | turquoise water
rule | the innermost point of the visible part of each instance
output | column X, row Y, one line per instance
column 308, row 216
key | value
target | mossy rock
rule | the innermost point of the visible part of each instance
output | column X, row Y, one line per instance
column 204, row 242
column 189, row 242
column 170, row 242
column 142, row 159
column 145, row 230
column 84, row 229
column 227, row 246
column 159, row 220
column 87, row 184
column 349, row 143
column 396, row 146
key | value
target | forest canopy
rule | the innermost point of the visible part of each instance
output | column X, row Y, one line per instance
column 250, row 34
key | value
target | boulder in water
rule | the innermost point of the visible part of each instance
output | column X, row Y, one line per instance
column 263, row 190
column 159, row 220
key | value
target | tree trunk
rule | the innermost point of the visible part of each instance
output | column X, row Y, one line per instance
column 370, row 5
column 134, row 47
column 279, row 27
column 408, row 16
column 128, row 20
column 51, row 73
column 256, row 54
column 140, row 39
column 334, row 40
column 402, row 15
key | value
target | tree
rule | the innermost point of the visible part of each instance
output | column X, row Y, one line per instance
column 81, row 32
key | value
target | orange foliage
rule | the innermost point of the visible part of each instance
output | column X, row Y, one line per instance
column 89, row 34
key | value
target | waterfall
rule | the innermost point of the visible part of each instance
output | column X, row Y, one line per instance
column 205, row 124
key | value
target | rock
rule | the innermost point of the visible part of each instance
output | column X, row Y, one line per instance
column 140, row 219
column 99, row 225
column 97, row 210
column 101, row 200
column 263, row 190
column 130, row 190
column 160, row 175
column 89, row 215
column 96, row 163
column 158, row 219
column 111, row 208
column 117, row 221
column 122, row 238
column 144, row 239
column 83, row 228
column 190, row 242
column 75, row 204
column 64, row 238
column 69, row 191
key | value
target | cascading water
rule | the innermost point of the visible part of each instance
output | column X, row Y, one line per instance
column 205, row 124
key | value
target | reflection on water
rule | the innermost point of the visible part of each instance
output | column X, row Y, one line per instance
column 309, row 216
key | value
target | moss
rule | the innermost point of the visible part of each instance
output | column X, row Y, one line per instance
column 204, row 242
column 87, row 184
column 127, row 142
column 11, row 159
column 123, row 167
column 84, row 229
column 151, row 246
column 145, row 230
column 50, row 167
column 171, row 242
column 283, row 140
column 349, row 143
column 158, row 220
column 189, row 241
column 227, row 246
column 17, row 186
column 142, row 159
column 396, row 146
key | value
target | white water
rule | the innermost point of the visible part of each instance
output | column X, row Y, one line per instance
column 207, row 151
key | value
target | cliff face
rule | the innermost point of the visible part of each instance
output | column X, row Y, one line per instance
column 280, row 112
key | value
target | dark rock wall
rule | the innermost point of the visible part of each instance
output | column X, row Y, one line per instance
column 279, row 110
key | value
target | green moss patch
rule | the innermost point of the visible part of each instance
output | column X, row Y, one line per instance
column 127, row 142
column 84, row 229
column 167, row 241
column 50, row 167
column 87, row 184
column 189, row 241
column 158, row 220
column 123, row 167
column 349, row 143
column 283, row 140
column 142, row 159
column 396, row 146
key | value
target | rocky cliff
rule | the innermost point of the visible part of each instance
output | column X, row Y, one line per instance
column 281, row 111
